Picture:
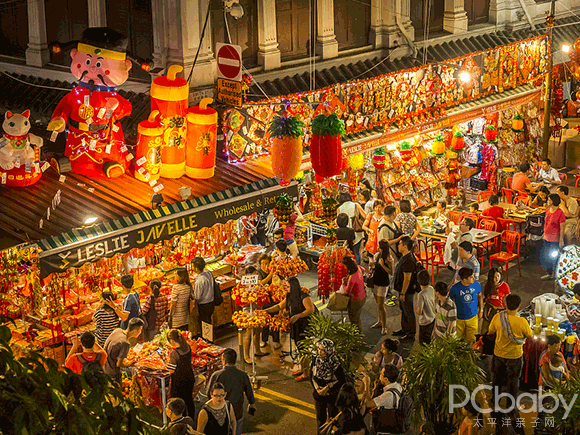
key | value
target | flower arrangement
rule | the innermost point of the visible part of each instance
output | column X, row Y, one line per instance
column 244, row 320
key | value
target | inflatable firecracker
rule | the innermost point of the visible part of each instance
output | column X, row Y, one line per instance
column 201, row 140
column 90, row 113
column 286, row 147
column 19, row 152
column 149, row 142
column 379, row 158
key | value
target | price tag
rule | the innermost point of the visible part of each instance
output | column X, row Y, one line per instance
column 108, row 148
column 109, row 114
column 4, row 177
column 89, row 121
column 101, row 113
column 158, row 188
column 17, row 163
column 129, row 157
column 245, row 130
column 87, row 100
column 84, row 142
column 91, row 189
column 45, row 166
column 28, row 167
column 366, row 121
column 141, row 170
column 53, row 136
column 115, row 128
column 124, row 148
column 93, row 145
column 142, row 161
column 48, row 214
column 250, row 280
column 36, row 167
column 62, row 178
column 40, row 223
column 152, row 182
column 147, row 176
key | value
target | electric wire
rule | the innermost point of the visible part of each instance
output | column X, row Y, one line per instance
column 200, row 40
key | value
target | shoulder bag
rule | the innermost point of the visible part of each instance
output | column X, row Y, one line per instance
column 338, row 301
column 330, row 427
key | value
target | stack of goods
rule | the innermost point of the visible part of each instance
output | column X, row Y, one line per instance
column 244, row 295
column 257, row 319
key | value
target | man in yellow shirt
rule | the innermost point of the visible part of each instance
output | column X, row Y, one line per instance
column 511, row 332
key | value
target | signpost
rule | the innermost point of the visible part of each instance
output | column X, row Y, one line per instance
column 229, row 68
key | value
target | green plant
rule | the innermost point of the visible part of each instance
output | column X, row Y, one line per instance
column 428, row 374
column 562, row 426
column 37, row 398
column 380, row 151
column 328, row 125
column 348, row 340
column 286, row 126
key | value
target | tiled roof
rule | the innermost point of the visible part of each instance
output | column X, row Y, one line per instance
column 566, row 30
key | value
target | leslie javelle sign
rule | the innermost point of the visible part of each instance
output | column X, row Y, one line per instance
column 157, row 230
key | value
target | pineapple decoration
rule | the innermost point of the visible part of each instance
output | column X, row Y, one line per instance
column 330, row 236
column 490, row 133
column 283, row 210
column 379, row 158
column 405, row 151
column 518, row 123
column 329, row 208
column 457, row 142
column 438, row 148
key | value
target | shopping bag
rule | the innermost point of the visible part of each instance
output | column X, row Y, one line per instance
column 338, row 302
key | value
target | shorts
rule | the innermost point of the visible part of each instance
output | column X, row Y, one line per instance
column 380, row 291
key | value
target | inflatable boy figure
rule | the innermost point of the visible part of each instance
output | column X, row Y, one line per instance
column 95, row 144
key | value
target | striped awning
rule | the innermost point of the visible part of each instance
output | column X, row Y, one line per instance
column 77, row 247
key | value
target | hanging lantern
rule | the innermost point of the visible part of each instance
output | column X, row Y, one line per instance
column 357, row 162
column 379, row 158
column 405, row 151
column 169, row 95
column 438, row 148
column 577, row 45
column 490, row 133
column 325, row 146
column 286, row 147
column 518, row 123
column 148, row 154
column 201, row 140
column 457, row 141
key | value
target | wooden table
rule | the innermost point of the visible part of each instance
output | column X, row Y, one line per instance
column 511, row 209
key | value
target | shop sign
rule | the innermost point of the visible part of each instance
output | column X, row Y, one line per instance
column 160, row 229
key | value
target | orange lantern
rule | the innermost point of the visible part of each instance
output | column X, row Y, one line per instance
column 149, row 141
column 169, row 95
column 201, row 140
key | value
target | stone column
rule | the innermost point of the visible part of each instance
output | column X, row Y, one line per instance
column 184, row 25
column 404, row 10
column 326, row 44
column 455, row 17
column 97, row 13
column 498, row 11
column 268, row 52
column 37, row 53
column 159, row 15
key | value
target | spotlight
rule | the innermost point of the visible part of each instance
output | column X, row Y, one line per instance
column 157, row 200
column 234, row 8
column 464, row 76
column 89, row 220
column 566, row 48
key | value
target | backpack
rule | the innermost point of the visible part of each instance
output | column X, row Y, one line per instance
column 396, row 420
column 151, row 316
column 396, row 234
column 90, row 366
column 218, row 299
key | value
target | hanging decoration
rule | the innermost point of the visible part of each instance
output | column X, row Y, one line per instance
column 457, row 142
column 379, row 158
column 438, row 148
column 19, row 151
column 246, row 83
column 357, row 162
column 329, row 208
column 518, row 123
column 201, row 140
column 326, row 148
column 148, row 154
column 405, row 151
column 490, row 133
column 453, row 177
column 286, row 147
column 283, row 210
column 90, row 113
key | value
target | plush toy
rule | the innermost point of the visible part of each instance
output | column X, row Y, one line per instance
column 20, row 152
column 95, row 144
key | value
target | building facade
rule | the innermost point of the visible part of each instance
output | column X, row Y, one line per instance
column 278, row 37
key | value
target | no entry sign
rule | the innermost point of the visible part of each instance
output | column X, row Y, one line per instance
column 229, row 61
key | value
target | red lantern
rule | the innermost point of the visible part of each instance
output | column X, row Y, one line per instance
column 457, row 141
column 326, row 145
column 490, row 133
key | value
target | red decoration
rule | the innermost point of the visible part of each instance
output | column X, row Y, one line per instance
column 457, row 141
column 326, row 155
column 490, row 133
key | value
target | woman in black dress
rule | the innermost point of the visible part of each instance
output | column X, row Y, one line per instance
column 327, row 378
column 300, row 307
column 182, row 377
column 350, row 419
column 217, row 413
column 383, row 264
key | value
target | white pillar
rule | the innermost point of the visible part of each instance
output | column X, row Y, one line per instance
column 159, row 15
column 268, row 52
column 184, row 25
column 455, row 18
column 326, row 43
column 498, row 11
column 404, row 10
column 37, row 53
column 97, row 13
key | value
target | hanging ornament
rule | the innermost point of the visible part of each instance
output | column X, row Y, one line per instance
column 329, row 208
column 325, row 146
column 283, row 210
column 357, row 162
column 490, row 133
column 286, row 147
column 457, row 141
column 405, row 151
column 438, row 148
column 577, row 45
column 518, row 123
column 379, row 158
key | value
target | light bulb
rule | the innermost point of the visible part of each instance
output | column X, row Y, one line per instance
column 464, row 76
column 566, row 48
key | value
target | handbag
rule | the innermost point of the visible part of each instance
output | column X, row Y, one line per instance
column 330, row 427
column 338, row 302
column 357, row 221
column 230, row 429
column 370, row 279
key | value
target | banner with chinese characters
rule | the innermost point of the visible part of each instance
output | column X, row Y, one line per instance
column 394, row 101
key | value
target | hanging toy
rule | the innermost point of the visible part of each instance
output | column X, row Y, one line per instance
column 518, row 123
column 405, row 151
column 438, row 148
column 457, row 142
column 379, row 158
column 326, row 146
column 286, row 147
column 490, row 133
column 329, row 208
column 283, row 210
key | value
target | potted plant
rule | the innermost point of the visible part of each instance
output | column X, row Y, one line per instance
column 326, row 145
column 287, row 146
column 430, row 371
column 559, row 422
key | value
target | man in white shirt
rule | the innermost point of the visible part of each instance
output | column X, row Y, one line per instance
column 548, row 174
column 387, row 382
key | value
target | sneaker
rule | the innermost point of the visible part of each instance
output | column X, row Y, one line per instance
column 394, row 297
column 547, row 278
column 301, row 378
column 391, row 304
column 399, row 333
column 297, row 373
column 263, row 344
column 407, row 337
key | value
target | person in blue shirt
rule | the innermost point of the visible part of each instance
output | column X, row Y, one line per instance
column 468, row 298
column 131, row 302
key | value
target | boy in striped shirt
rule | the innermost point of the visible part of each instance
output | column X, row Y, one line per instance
column 445, row 311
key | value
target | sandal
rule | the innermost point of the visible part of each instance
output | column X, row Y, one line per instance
column 376, row 325
column 297, row 373
column 301, row 378
column 384, row 331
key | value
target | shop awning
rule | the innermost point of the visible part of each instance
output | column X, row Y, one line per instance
column 370, row 139
column 77, row 247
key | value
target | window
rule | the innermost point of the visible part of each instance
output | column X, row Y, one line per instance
column 294, row 18
column 352, row 21
column 427, row 11
column 243, row 32
column 477, row 11
column 65, row 21
column 14, row 28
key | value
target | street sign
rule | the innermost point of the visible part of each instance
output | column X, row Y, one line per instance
column 229, row 92
column 229, row 61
